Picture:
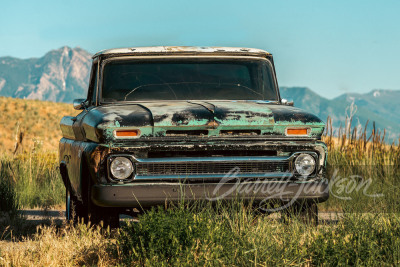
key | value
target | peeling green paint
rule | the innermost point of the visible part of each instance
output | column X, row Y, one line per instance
column 267, row 130
column 192, row 122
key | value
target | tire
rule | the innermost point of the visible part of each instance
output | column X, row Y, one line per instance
column 68, row 206
column 304, row 212
column 105, row 217
column 73, row 207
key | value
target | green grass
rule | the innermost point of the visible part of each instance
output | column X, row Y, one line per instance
column 365, row 188
column 229, row 235
column 8, row 194
column 359, row 167
column 35, row 178
column 239, row 237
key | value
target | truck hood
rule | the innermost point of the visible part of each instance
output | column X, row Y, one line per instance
column 154, row 119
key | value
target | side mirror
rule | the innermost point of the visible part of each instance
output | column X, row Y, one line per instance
column 79, row 104
column 287, row 102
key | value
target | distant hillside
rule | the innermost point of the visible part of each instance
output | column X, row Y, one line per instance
column 379, row 106
column 61, row 75
column 38, row 121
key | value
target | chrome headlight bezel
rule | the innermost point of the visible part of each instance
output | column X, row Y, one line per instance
column 307, row 160
column 124, row 160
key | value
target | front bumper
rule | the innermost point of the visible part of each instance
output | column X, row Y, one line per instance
column 145, row 195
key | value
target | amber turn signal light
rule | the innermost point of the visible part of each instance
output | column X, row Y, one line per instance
column 127, row 133
column 297, row 131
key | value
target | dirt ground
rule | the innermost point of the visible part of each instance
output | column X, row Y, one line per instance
column 38, row 217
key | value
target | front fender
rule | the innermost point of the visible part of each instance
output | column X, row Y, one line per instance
column 79, row 160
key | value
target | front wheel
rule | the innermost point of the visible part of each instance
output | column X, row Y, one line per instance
column 106, row 217
column 73, row 207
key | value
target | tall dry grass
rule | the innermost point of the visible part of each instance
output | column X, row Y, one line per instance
column 79, row 245
column 363, row 168
column 34, row 177
column 359, row 147
column 35, row 123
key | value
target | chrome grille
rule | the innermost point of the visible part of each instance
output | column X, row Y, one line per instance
column 196, row 168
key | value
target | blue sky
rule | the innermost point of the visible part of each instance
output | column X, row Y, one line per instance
column 332, row 47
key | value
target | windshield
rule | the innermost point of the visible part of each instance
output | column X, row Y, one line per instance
column 188, row 79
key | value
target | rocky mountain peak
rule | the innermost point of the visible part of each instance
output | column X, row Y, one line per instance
column 61, row 75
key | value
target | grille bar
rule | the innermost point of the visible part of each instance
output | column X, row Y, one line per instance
column 198, row 168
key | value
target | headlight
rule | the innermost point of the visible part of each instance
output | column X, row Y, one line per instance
column 121, row 168
column 305, row 164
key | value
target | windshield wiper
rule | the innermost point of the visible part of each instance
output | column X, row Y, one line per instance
column 143, row 85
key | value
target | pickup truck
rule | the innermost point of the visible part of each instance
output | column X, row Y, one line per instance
column 165, row 124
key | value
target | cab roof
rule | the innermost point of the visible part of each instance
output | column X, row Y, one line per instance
column 182, row 50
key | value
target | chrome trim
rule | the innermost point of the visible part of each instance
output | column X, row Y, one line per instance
column 211, row 159
column 111, row 177
column 286, row 102
column 290, row 159
column 317, row 166
column 79, row 104
column 279, row 175
column 171, row 50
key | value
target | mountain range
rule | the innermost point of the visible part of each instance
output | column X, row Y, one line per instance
column 62, row 75
column 379, row 107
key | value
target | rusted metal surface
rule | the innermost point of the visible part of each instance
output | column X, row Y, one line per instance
column 191, row 129
column 187, row 50
column 155, row 119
